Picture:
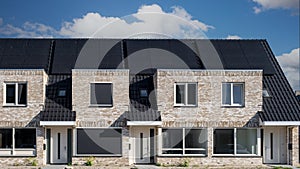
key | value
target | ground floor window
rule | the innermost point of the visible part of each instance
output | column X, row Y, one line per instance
column 6, row 138
column 25, row 138
column 17, row 141
column 99, row 141
column 184, row 141
column 237, row 141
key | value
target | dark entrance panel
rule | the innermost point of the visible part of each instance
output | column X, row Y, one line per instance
column 152, row 146
column 48, row 145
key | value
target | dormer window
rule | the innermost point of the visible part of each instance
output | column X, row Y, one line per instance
column 143, row 93
column 61, row 93
column 265, row 93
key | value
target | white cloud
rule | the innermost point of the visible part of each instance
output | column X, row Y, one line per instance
column 149, row 21
column 28, row 29
column 291, row 67
column 275, row 4
column 233, row 37
column 85, row 26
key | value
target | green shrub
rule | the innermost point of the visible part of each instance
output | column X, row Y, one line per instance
column 90, row 161
column 185, row 163
column 31, row 162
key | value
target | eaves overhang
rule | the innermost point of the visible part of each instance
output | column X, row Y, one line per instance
column 57, row 123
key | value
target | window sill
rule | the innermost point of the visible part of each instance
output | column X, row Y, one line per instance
column 182, row 155
column 232, row 106
column 100, row 106
column 97, row 155
column 18, row 156
column 187, row 106
column 13, row 105
column 237, row 155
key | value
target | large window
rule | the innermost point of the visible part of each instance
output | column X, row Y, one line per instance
column 101, row 94
column 94, row 141
column 185, row 94
column 233, row 94
column 5, row 138
column 184, row 141
column 15, row 94
column 22, row 142
column 25, row 138
column 243, row 142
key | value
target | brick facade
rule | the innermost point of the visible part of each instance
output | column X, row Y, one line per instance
column 209, row 112
column 27, row 116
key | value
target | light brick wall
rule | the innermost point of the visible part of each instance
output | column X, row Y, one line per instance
column 209, row 111
column 204, row 162
column 295, row 144
column 88, row 116
column 24, row 116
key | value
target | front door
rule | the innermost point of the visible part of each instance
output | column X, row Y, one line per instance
column 275, row 145
column 141, row 141
column 59, row 152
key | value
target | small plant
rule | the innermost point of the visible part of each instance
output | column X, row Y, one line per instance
column 70, row 164
column 279, row 167
column 90, row 161
column 185, row 163
column 32, row 162
column 158, row 164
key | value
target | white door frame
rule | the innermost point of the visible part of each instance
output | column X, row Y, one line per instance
column 140, row 149
column 275, row 145
column 59, row 150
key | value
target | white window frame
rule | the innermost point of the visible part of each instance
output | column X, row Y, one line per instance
column 183, row 144
column 95, row 155
column 102, row 105
column 232, row 104
column 258, row 140
column 16, row 94
column 186, row 94
column 13, row 151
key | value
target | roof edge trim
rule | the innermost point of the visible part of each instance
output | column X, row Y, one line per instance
column 144, row 123
column 57, row 123
column 281, row 123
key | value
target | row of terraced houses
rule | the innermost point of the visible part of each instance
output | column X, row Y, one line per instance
column 132, row 101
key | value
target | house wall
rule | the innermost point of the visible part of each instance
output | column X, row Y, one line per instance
column 12, row 116
column 295, row 145
column 20, row 117
column 209, row 113
column 89, row 116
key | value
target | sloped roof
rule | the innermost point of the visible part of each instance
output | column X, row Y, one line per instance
column 60, row 56
column 283, row 104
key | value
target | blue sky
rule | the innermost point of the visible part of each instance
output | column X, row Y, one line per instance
column 274, row 20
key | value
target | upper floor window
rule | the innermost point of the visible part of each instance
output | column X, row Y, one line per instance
column 101, row 94
column 233, row 94
column 185, row 94
column 15, row 94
